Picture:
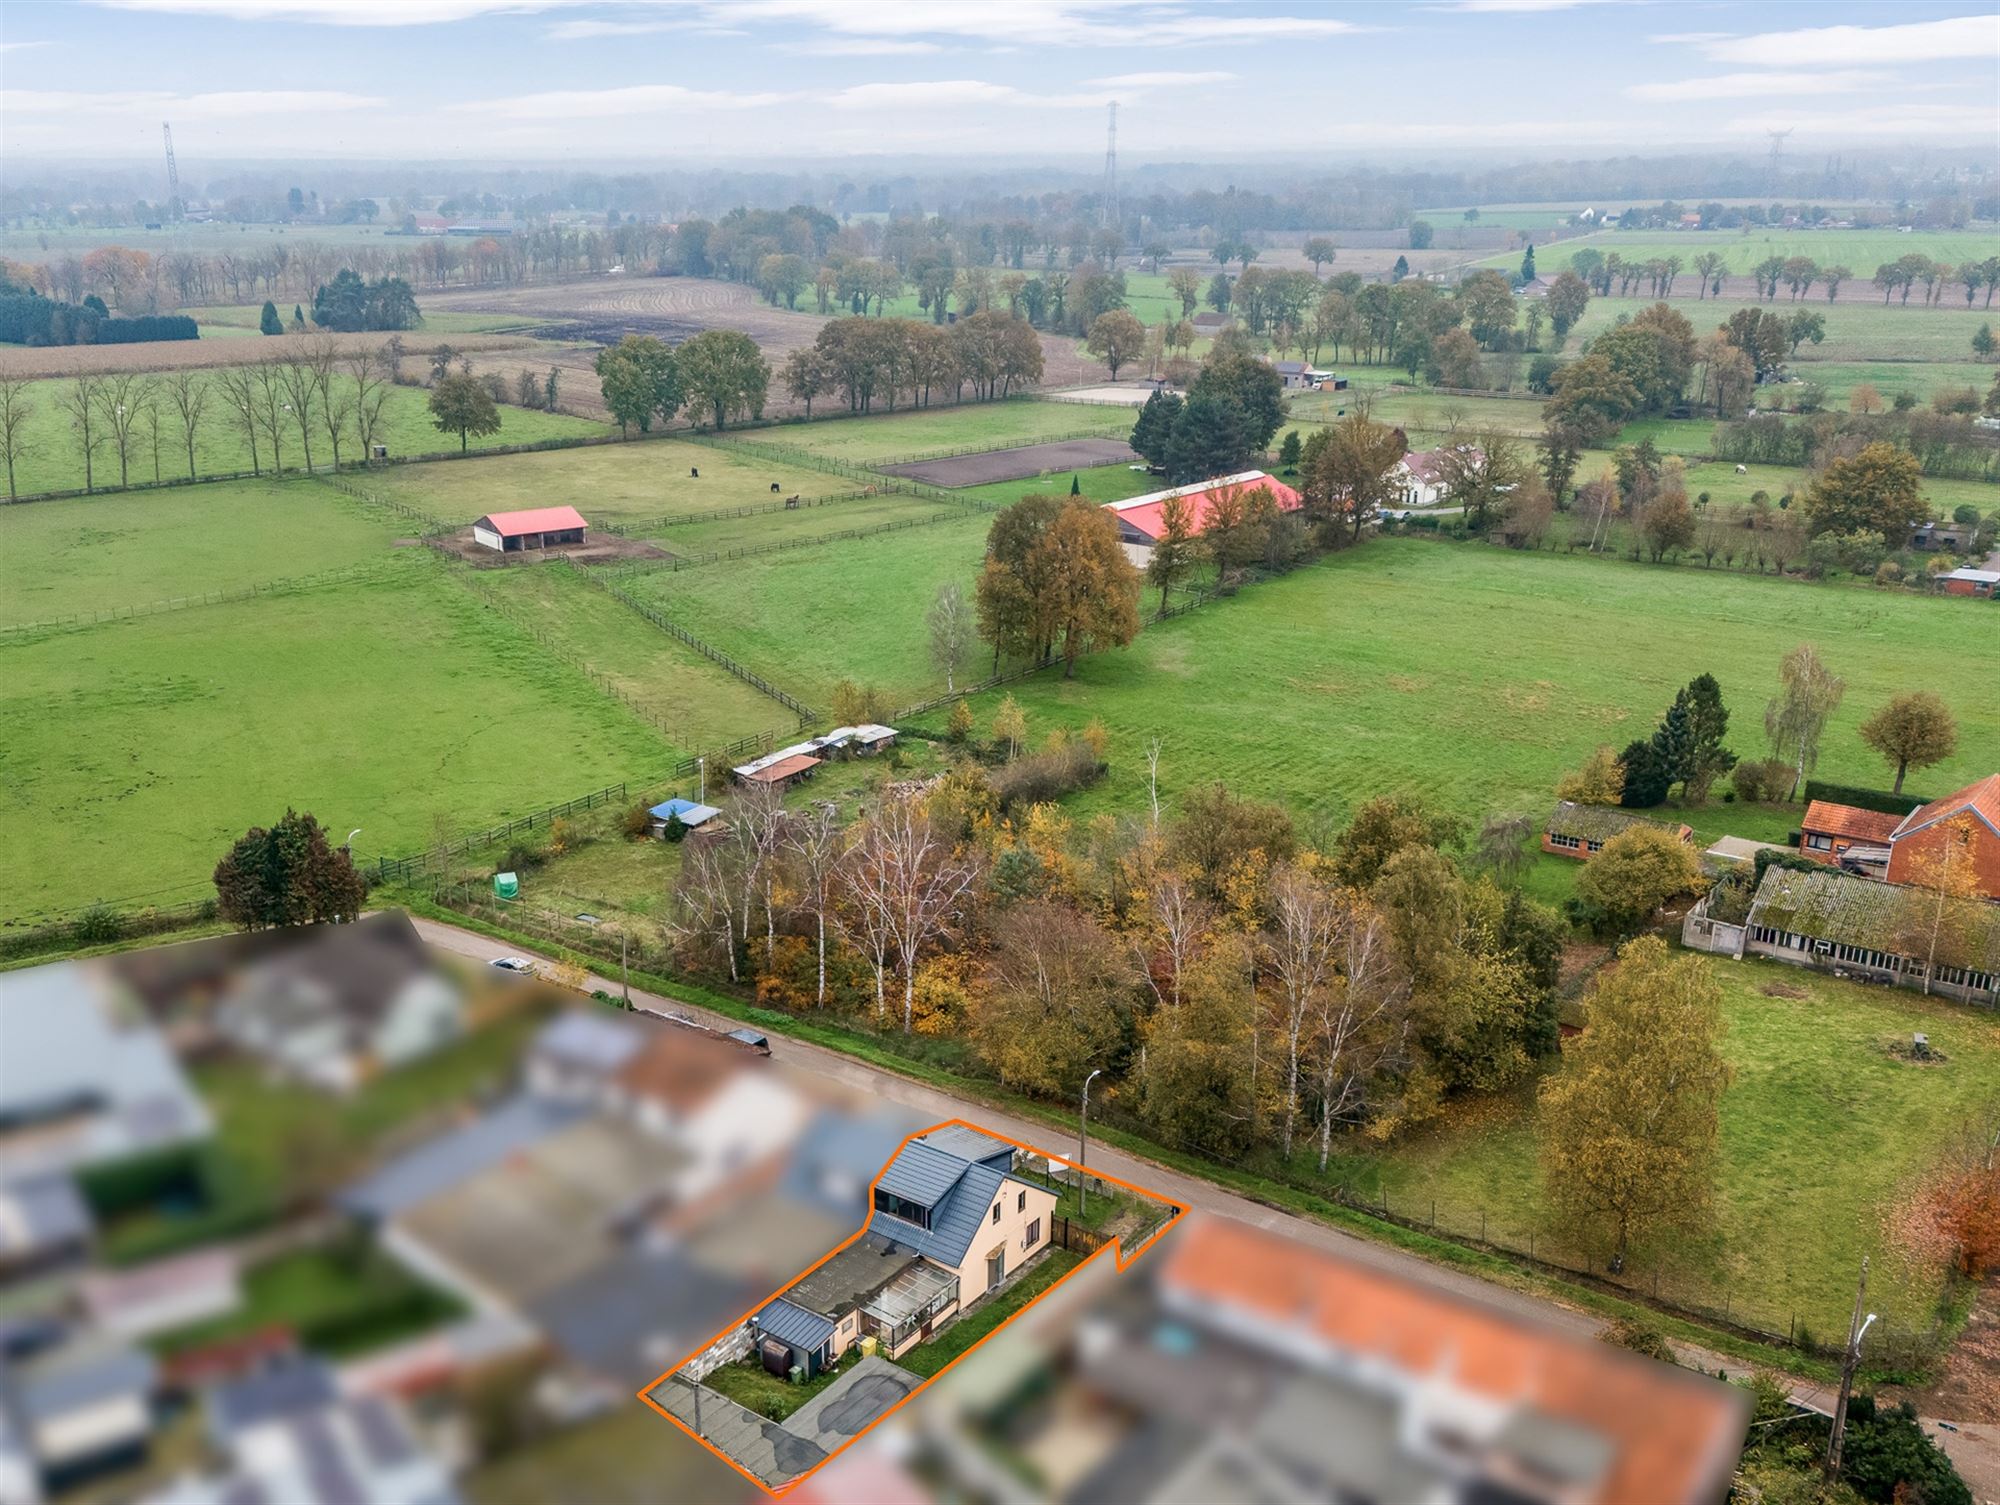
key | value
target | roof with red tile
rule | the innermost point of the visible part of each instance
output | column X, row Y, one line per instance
column 675, row 1070
column 784, row 768
column 1981, row 799
column 534, row 520
column 1147, row 513
column 1675, row 1435
column 1849, row 821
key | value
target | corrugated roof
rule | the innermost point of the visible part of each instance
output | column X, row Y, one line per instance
column 784, row 768
column 534, row 520
column 1829, row 905
column 687, row 811
column 1146, row 513
column 794, row 1324
column 1600, row 822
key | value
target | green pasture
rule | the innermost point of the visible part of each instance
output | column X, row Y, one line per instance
column 250, row 316
column 886, row 438
column 1858, row 331
column 1146, row 294
column 41, row 240
column 91, row 554
column 1477, row 675
column 1823, row 1130
column 133, row 753
column 1100, row 483
column 796, row 527
column 808, row 618
column 1860, row 250
column 54, row 456
column 617, row 483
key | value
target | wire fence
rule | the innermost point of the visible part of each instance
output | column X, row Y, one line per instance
column 723, row 514
column 291, row 585
column 676, row 562
column 1099, row 431
column 791, row 454
column 386, row 869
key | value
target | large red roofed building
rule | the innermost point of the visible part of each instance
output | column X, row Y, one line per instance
column 1970, row 817
column 1142, row 519
column 536, row 528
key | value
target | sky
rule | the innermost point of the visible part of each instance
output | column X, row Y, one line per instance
column 794, row 80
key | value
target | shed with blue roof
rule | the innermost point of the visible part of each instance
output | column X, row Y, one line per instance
column 687, row 813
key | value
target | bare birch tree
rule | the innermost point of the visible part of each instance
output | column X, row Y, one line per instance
column 1796, row 717
column 912, row 883
column 813, row 843
column 1303, row 946
column 79, row 400
column 1362, row 1018
column 15, row 411
column 704, row 899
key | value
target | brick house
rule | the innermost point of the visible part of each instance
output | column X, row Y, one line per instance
column 1970, row 816
column 1970, row 583
column 1847, row 836
column 1580, row 831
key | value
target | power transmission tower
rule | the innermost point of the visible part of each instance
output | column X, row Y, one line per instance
column 1112, row 220
column 1777, row 154
column 175, row 208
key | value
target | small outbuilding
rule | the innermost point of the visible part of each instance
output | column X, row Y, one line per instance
column 1971, row 583
column 687, row 812
column 858, row 741
column 1580, row 831
column 783, row 768
column 536, row 528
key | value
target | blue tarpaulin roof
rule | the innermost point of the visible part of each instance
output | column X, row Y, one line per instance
column 687, row 811
column 794, row 1325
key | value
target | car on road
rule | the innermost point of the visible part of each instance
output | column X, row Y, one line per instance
column 516, row 964
column 749, row 1039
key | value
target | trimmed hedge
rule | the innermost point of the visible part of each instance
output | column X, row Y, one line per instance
column 1878, row 800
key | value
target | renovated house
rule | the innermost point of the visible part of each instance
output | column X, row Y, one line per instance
column 1847, row 836
column 1580, row 831
column 950, row 1221
column 1421, row 476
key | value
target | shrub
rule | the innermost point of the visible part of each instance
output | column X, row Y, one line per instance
column 637, row 821
column 1887, row 1456
column 1760, row 781
column 1888, row 572
column 1639, row 1336
column 97, row 926
column 1043, row 777
column 523, row 855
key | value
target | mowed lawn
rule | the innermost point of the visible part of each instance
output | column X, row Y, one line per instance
column 808, row 618
column 54, row 459
column 617, row 483
column 885, row 438
column 1100, row 483
column 1823, row 1131
column 761, row 529
column 1476, row 675
column 89, row 554
column 131, row 754
column 705, row 704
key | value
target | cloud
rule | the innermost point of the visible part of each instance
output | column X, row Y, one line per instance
column 19, row 46
column 584, row 31
column 221, row 106
column 954, row 93
column 1965, row 38
column 1158, row 80
column 1690, row 38
column 863, row 47
column 335, row 12
column 593, row 104
column 1759, row 85
column 1520, row 7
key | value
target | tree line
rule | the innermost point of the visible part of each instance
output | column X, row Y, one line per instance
column 881, row 360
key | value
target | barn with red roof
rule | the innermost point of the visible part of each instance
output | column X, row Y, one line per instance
column 536, row 528
column 1142, row 519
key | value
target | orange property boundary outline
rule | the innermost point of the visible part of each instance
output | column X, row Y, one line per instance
column 1116, row 1248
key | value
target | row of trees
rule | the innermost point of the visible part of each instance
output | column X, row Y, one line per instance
column 719, row 375
column 881, row 359
column 27, row 318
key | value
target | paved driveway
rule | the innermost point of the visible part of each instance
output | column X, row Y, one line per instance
column 850, row 1404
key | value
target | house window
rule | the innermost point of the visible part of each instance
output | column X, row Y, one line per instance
column 996, row 1212
column 1020, row 1201
column 898, row 1207
column 1594, row 846
column 1820, row 843
column 1033, row 1236
column 1567, row 843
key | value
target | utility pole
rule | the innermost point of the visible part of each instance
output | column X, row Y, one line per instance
column 1083, row 1145
column 624, row 972
column 1857, row 1328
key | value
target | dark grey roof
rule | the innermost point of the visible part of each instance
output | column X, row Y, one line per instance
column 970, row 1144
column 794, row 1324
column 441, row 1163
column 296, row 1385
column 629, row 1318
column 590, row 1037
column 955, row 1221
column 836, row 1157
column 922, row 1174
column 851, row 1276
column 80, row 1375
column 51, row 1213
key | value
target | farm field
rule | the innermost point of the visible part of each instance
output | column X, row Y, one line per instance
column 1146, row 294
column 235, row 349
column 885, row 438
column 249, row 316
column 1860, row 250
column 1857, row 331
column 55, row 462
column 808, row 618
column 616, row 483
column 1380, row 669
column 47, row 240
column 131, row 754
column 90, row 554
column 705, row 703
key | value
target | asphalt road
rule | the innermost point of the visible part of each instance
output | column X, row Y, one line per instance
column 1973, row 1447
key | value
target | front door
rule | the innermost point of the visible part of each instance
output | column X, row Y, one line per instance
column 996, row 1266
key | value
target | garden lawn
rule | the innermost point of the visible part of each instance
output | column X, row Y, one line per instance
column 1476, row 675
column 890, row 438
column 1822, row 1132
column 701, row 703
column 634, row 483
column 91, row 554
column 808, row 618
column 133, row 753
column 54, row 460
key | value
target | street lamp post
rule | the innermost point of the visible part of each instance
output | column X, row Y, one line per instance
column 1083, row 1145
